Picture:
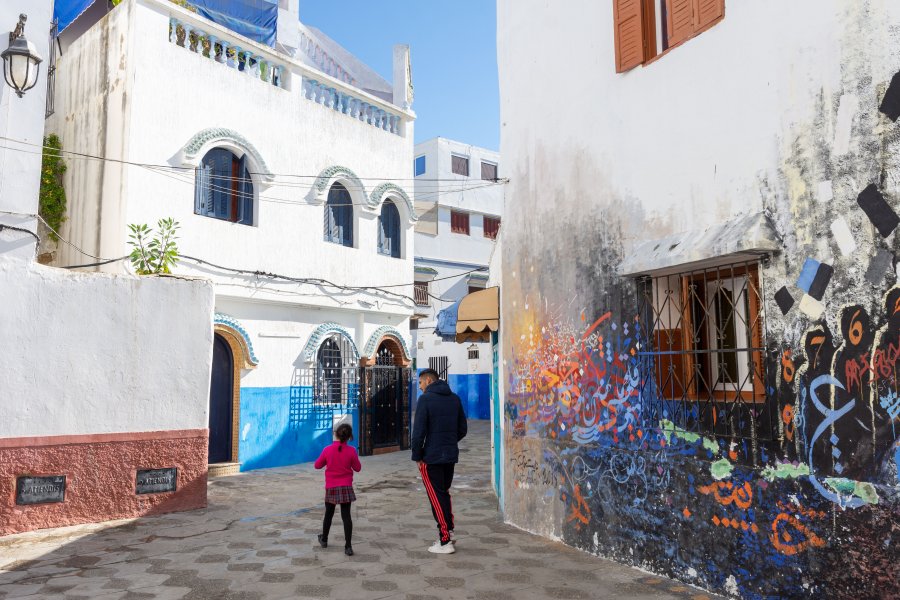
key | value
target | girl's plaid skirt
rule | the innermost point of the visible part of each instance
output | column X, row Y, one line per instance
column 340, row 495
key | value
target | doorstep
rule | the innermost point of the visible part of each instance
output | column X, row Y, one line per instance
column 222, row 469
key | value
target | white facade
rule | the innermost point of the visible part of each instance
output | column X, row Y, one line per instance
column 306, row 118
column 451, row 262
column 22, row 120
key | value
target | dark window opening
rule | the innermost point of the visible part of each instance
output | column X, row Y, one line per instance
column 339, row 216
column 460, row 165
column 489, row 171
column 223, row 188
column 459, row 222
column 441, row 364
column 491, row 227
column 420, row 293
column 389, row 230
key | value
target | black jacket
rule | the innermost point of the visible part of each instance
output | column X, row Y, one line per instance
column 440, row 424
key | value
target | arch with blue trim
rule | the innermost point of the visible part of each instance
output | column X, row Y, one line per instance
column 382, row 332
column 319, row 335
column 233, row 326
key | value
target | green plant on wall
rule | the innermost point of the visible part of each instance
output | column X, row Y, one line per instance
column 153, row 254
column 52, row 204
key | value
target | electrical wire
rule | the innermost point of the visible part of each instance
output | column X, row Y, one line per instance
column 174, row 167
column 20, row 229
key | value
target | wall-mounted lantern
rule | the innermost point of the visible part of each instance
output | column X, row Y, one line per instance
column 20, row 60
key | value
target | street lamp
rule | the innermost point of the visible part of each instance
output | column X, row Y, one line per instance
column 20, row 60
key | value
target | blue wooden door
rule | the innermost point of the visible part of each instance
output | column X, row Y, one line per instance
column 221, row 389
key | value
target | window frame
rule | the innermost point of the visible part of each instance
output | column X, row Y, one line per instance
column 680, row 357
column 329, row 221
column 241, row 195
column 487, row 163
column 496, row 230
column 453, row 158
column 459, row 214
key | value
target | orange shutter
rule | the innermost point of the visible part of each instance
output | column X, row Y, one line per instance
column 707, row 12
column 679, row 20
column 629, row 34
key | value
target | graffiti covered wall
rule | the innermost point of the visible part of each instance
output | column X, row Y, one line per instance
column 807, row 503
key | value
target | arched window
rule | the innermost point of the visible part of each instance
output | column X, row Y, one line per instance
column 336, row 371
column 223, row 188
column 389, row 230
column 339, row 216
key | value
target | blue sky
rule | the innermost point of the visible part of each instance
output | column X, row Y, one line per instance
column 454, row 57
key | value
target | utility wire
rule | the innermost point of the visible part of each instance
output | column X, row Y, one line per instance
column 174, row 167
column 20, row 229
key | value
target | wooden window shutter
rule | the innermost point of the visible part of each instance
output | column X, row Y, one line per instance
column 679, row 20
column 629, row 34
column 707, row 12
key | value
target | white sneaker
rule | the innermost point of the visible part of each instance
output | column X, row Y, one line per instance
column 436, row 548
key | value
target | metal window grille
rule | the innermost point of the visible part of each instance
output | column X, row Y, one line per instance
column 473, row 352
column 441, row 364
column 703, row 364
column 336, row 378
column 51, row 70
column 420, row 292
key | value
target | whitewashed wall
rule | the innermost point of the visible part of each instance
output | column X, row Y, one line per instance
column 155, row 96
column 22, row 119
column 91, row 353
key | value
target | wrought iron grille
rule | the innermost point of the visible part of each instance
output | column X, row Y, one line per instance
column 441, row 364
column 703, row 363
column 336, row 379
column 51, row 70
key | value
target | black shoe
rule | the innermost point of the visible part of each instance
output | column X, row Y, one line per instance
column 348, row 550
column 323, row 541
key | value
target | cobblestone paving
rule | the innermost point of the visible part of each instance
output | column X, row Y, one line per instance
column 256, row 540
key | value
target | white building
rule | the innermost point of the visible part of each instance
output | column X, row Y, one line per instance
column 460, row 203
column 255, row 150
column 105, row 376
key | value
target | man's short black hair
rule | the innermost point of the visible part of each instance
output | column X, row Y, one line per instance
column 429, row 373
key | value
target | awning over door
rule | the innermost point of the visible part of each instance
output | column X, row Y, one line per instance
column 478, row 316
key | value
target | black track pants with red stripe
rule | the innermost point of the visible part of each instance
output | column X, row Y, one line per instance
column 437, row 480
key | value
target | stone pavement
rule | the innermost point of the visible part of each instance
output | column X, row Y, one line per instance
column 257, row 540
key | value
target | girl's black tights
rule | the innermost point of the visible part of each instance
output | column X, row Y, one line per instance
column 345, row 517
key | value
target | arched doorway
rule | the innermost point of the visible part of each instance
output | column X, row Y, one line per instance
column 221, row 397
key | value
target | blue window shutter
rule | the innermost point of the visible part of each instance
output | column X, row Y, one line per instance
column 389, row 230
column 245, row 193
column 382, row 238
column 201, row 189
column 339, row 216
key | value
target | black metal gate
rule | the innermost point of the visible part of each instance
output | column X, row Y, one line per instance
column 384, row 410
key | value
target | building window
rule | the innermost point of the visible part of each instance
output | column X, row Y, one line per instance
column 460, row 165
column 473, row 352
column 339, row 216
column 389, row 230
column 707, row 342
column 459, row 222
column 420, row 292
column 333, row 377
column 413, row 324
column 637, row 21
column 419, row 166
column 491, row 227
column 475, row 288
column 223, row 188
column 489, row 171
column 441, row 364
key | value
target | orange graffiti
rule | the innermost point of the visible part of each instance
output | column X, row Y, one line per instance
column 581, row 512
column 787, row 366
column 786, row 539
column 787, row 416
column 734, row 524
column 741, row 496
column 856, row 329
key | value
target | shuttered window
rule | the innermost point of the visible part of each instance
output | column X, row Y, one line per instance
column 460, row 165
column 389, row 230
column 459, row 222
column 491, row 227
column 636, row 21
column 223, row 188
column 339, row 216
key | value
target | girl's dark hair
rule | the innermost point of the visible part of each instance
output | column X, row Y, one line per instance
column 344, row 434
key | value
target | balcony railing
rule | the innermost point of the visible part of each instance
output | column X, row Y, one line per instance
column 331, row 88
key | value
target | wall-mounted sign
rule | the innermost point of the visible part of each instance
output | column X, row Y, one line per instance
column 154, row 481
column 40, row 490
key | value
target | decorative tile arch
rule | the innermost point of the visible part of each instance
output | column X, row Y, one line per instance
column 383, row 190
column 318, row 336
column 191, row 153
column 381, row 333
column 337, row 173
column 231, row 325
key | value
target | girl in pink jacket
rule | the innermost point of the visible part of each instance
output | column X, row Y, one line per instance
column 339, row 460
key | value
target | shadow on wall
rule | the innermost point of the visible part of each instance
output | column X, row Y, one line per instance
column 283, row 426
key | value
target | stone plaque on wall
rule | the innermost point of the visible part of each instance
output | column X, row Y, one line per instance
column 40, row 490
column 154, row 481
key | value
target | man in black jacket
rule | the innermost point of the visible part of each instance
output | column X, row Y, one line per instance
column 439, row 425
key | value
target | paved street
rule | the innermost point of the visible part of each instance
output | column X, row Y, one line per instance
column 257, row 540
